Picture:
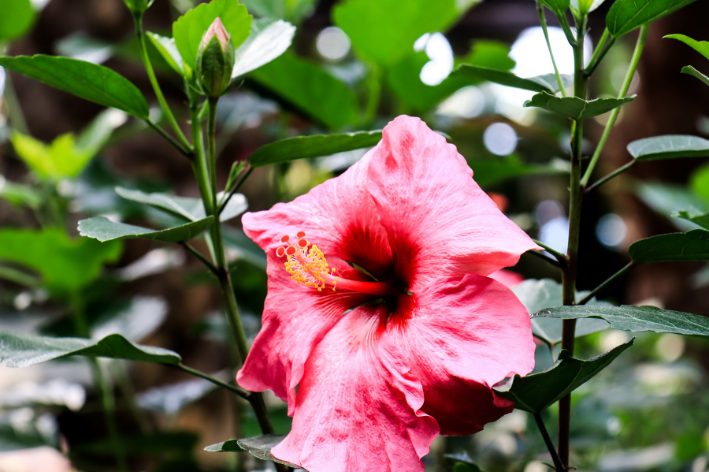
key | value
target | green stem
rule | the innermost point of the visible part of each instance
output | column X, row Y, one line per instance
column 547, row 440
column 102, row 385
column 613, row 174
column 639, row 46
column 599, row 53
column 154, row 82
column 19, row 277
column 185, row 152
column 14, row 110
column 559, row 256
column 201, row 258
column 569, row 272
column 118, row 369
column 610, row 280
column 232, row 310
column 564, row 23
column 546, row 258
column 233, row 190
column 543, row 21
column 232, row 388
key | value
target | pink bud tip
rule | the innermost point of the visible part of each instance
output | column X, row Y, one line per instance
column 217, row 29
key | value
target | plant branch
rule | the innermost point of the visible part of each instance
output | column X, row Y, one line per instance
column 245, row 394
column 231, row 193
column 19, row 277
column 561, row 258
column 543, row 21
column 569, row 273
column 546, row 258
column 201, row 258
column 154, row 82
column 639, row 46
column 599, row 53
column 610, row 280
column 567, row 30
column 547, row 440
column 185, row 152
column 613, row 174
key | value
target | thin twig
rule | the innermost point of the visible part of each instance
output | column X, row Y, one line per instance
column 225, row 200
column 185, row 152
column 598, row 289
column 547, row 440
column 201, row 258
column 543, row 21
column 559, row 256
column 546, row 258
column 245, row 394
column 613, row 174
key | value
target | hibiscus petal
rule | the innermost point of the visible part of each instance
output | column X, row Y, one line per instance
column 338, row 216
column 463, row 337
column 295, row 318
column 358, row 404
column 436, row 216
column 507, row 278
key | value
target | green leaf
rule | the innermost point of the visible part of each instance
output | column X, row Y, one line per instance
column 302, row 147
column 668, row 147
column 95, row 136
column 259, row 446
column 368, row 23
column 308, row 87
column 291, row 10
column 26, row 435
column 190, row 209
column 626, row 15
column 268, row 40
column 702, row 47
column 489, row 172
column 699, row 183
column 536, row 392
column 168, row 50
column 89, row 81
column 404, row 77
column 667, row 199
column 691, row 246
column 65, row 265
column 635, row 318
column 244, row 247
column 542, row 83
column 19, row 350
column 190, row 27
column 574, row 107
column 463, row 462
column 557, row 6
column 584, row 7
column 695, row 73
column 160, row 443
column 103, row 229
column 537, row 295
column 17, row 18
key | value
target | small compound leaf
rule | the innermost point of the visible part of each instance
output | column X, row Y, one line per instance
column 17, row 18
column 190, row 27
column 542, row 83
column 690, row 246
column 574, row 107
column 536, row 392
column 695, row 73
column 258, row 446
column 168, row 50
column 702, row 47
column 19, row 350
column 302, row 147
column 668, row 147
column 190, row 209
column 89, row 81
column 268, row 40
column 626, row 15
column 308, row 87
column 635, row 318
column 103, row 229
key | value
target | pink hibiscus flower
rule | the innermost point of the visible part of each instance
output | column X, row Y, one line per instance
column 380, row 311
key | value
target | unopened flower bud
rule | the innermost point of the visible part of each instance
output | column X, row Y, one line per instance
column 215, row 60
